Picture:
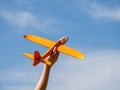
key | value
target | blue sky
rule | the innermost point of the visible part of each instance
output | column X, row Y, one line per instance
column 92, row 27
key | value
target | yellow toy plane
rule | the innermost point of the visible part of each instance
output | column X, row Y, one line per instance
column 58, row 45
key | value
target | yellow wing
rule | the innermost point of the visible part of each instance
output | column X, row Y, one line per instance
column 29, row 55
column 40, row 40
column 70, row 51
column 32, row 57
column 48, row 43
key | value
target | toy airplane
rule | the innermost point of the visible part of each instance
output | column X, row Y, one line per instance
column 58, row 45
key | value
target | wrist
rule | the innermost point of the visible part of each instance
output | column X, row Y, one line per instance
column 47, row 66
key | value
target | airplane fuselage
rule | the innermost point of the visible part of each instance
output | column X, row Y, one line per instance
column 61, row 41
column 53, row 47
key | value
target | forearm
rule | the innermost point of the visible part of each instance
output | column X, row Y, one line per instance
column 42, row 83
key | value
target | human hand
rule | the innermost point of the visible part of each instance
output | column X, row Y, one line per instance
column 53, row 57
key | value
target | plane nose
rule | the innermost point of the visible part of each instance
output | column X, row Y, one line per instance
column 66, row 37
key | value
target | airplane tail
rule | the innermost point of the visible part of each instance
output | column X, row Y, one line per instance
column 38, row 59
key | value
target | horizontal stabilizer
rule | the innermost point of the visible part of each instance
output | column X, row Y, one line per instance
column 31, row 56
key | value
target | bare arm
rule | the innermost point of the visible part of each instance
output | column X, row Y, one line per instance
column 42, row 83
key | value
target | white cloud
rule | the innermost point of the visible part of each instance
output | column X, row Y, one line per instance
column 20, row 78
column 25, row 19
column 21, row 18
column 18, row 88
column 99, row 71
column 97, row 10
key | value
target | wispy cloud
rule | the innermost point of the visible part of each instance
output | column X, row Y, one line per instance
column 20, row 78
column 97, row 10
column 26, row 20
column 18, row 88
column 99, row 71
column 19, row 18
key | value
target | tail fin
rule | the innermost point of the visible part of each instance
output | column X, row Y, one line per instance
column 37, row 58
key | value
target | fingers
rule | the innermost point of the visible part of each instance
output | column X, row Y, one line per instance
column 54, row 57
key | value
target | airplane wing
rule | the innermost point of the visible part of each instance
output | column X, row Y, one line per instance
column 70, row 51
column 40, row 40
column 48, row 43
column 31, row 56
